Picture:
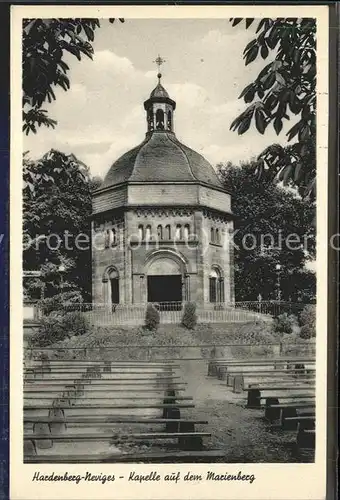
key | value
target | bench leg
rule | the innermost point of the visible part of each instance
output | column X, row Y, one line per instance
column 272, row 414
column 222, row 373
column 288, row 425
column 171, row 413
column 29, row 448
column 238, row 384
column 42, row 428
column 212, row 369
column 253, row 400
column 193, row 443
column 305, row 440
column 57, row 420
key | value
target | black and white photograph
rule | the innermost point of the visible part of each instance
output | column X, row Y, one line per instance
column 170, row 209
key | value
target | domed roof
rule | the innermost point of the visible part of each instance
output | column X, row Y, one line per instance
column 161, row 157
column 159, row 91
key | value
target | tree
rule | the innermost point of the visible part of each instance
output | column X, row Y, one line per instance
column 266, row 214
column 57, row 208
column 45, row 42
column 286, row 86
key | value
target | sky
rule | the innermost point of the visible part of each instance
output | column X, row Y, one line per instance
column 102, row 116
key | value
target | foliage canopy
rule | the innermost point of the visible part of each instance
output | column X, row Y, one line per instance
column 284, row 88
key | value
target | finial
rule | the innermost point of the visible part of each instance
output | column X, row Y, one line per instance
column 159, row 61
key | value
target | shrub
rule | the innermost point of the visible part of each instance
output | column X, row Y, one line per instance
column 307, row 331
column 50, row 331
column 60, row 301
column 308, row 322
column 189, row 319
column 152, row 318
column 57, row 327
column 284, row 323
column 75, row 323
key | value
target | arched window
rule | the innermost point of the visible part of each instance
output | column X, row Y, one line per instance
column 169, row 120
column 159, row 232
column 107, row 239
column 216, row 286
column 159, row 119
column 148, row 233
column 150, row 120
column 140, row 233
column 168, row 232
column 186, row 231
column 114, row 286
column 212, row 235
column 113, row 237
column 218, row 237
column 178, row 232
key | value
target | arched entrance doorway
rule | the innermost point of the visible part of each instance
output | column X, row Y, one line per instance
column 165, row 278
column 111, row 283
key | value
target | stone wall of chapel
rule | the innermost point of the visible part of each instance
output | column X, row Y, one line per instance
column 200, row 257
column 217, row 254
column 214, row 199
column 190, row 252
column 109, row 200
column 163, row 194
column 104, row 256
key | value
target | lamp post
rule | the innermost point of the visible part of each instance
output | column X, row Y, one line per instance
column 61, row 270
column 278, row 269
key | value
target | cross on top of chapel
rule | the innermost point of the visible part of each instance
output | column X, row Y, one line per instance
column 159, row 61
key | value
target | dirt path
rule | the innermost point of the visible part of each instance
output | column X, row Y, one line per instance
column 241, row 432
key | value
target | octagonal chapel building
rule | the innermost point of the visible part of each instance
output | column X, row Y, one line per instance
column 161, row 220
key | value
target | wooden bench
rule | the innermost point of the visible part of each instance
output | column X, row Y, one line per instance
column 305, row 443
column 289, row 421
column 228, row 374
column 277, row 363
column 91, row 389
column 177, row 456
column 186, row 440
column 255, row 394
column 68, row 418
column 275, row 410
column 95, row 370
column 238, row 381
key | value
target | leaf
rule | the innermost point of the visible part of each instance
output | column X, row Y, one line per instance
column 278, row 125
column 252, row 54
column 235, row 21
column 260, row 121
column 279, row 78
column 264, row 51
column 297, row 172
column 269, row 81
column 293, row 131
column 250, row 45
column 244, row 126
column 89, row 33
column 304, row 133
column 249, row 22
column 261, row 23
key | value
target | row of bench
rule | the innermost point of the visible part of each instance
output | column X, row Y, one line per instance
column 283, row 387
column 101, row 410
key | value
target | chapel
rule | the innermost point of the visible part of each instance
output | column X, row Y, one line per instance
column 162, row 222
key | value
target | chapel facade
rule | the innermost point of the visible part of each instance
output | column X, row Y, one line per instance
column 162, row 222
